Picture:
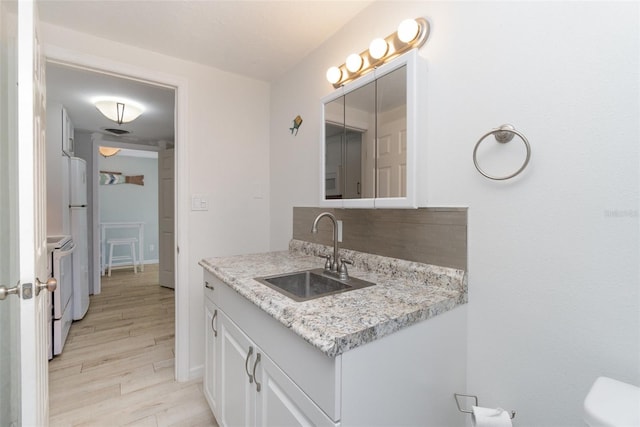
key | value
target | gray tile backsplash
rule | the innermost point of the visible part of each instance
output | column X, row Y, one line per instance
column 436, row 236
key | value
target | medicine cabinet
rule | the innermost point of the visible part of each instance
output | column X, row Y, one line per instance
column 369, row 143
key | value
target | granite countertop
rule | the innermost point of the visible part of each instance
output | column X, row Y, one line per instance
column 405, row 293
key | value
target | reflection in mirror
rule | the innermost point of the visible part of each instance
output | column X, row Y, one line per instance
column 359, row 119
column 391, row 134
column 334, row 133
column 349, row 171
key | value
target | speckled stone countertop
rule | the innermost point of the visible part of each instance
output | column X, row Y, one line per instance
column 405, row 293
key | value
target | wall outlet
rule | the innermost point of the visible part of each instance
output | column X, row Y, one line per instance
column 152, row 247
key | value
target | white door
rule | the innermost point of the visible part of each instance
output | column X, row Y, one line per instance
column 237, row 389
column 9, row 273
column 211, row 354
column 24, row 388
column 166, row 244
column 280, row 402
column 392, row 159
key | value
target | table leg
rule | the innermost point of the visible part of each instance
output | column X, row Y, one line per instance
column 141, row 249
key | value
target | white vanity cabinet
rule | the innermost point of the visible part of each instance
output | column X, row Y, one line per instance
column 242, row 384
column 260, row 373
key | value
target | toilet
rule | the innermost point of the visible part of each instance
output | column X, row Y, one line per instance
column 612, row 403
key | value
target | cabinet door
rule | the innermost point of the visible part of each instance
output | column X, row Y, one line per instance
column 211, row 355
column 280, row 402
column 237, row 389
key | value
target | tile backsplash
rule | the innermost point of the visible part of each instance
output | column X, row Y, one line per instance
column 436, row 236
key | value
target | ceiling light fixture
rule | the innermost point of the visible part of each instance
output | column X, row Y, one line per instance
column 108, row 151
column 118, row 110
column 412, row 33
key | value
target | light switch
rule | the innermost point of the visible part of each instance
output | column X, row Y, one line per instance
column 199, row 202
column 339, row 230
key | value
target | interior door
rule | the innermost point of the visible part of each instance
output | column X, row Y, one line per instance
column 9, row 269
column 31, row 209
column 166, row 244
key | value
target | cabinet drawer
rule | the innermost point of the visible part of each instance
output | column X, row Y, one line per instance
column 318, row 375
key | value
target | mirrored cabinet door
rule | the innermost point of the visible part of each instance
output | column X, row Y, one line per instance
column 333, row 137
column 359, row 142
column 391, row 134
column 369, row 143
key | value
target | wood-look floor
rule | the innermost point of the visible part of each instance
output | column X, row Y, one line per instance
column 117, row 366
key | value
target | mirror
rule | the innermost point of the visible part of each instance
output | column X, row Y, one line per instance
column 367, row 144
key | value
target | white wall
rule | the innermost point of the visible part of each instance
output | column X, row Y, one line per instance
column 553, row 254
column 130, row 202
column 226, row 149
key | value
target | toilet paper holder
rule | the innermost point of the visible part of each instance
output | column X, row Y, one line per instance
column 475, row 398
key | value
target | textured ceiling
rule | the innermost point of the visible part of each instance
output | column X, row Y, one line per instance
column 258, row 39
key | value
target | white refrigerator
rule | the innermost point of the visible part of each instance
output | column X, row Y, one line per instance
column 79, row 234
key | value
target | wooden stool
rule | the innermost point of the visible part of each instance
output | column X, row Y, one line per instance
column 129, row 241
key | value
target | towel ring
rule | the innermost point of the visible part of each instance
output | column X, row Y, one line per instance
column 503, row 134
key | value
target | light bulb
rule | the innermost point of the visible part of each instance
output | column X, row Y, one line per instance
column 354, row 62
column 378, row 48
column 408, row 30
column 334, row 75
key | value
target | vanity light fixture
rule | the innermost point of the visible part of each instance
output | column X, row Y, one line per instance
column 354, row 63
column 120, row 111
column 378, row 48
column 411, row 33
column 408, row 30
column 334, row 75
column 108, row 151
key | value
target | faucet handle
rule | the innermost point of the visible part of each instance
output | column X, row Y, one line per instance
column 327, row 264
column 344, row 274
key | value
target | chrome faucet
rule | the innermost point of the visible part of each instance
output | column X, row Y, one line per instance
column 335, row 264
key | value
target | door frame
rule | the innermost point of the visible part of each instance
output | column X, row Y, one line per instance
column 55, row 54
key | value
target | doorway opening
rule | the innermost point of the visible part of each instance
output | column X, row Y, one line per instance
column 85, row 141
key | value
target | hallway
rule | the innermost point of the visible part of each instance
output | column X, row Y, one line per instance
column 117, row 367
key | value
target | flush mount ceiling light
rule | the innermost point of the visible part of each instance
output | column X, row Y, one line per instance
column 412, row 33
column 118, row 110
column 108, row 151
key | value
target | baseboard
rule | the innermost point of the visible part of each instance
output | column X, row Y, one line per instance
column 196, row 372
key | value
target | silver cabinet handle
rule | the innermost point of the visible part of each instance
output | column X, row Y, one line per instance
column 208, row 286
column 258, row 386
column 213, row 318
column 50, row 285
column 246, row 363
column 4, row 291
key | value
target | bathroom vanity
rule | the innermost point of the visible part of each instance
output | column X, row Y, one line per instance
column 388, row 354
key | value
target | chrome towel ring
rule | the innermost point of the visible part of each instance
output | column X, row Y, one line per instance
column 503, row 134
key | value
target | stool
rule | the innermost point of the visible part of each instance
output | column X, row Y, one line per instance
column 129, row 241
